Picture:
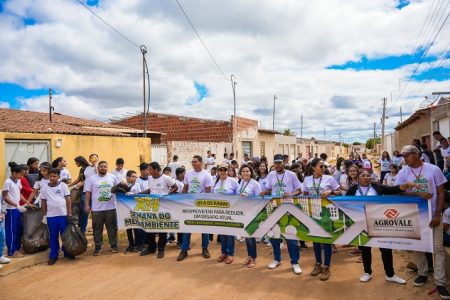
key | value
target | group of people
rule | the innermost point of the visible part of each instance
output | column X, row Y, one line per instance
column 93, row 192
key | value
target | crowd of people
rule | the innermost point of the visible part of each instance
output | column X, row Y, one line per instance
column 51, row 187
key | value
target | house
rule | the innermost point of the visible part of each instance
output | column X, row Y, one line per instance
column 417, row 126
column 25, row 134
column 440, row 117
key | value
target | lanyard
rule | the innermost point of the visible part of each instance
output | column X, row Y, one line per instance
column 317, row 187
column 420, row 172
column 280, row 181
column 361, row 192
column 244, row 187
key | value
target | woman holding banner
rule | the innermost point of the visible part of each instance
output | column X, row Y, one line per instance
column 319, row 184
column 366, row 188
column 229, row 186
column 249, row 187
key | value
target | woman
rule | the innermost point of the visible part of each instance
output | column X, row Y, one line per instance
column 358, row 161
column 60, row 164
column 249, row 187
column 26, row 189
column 385, row 164
column 41, row 182
column 397, row 159
column 319, row 184
column 390, row 177
column 78, row 184
column 262, row 173
column 340, row 169
column 225, row 184
column 33, row 170
column 297, row 169
column 349, row 178
column 366, row 188
column 231, row 172
column 13, row 221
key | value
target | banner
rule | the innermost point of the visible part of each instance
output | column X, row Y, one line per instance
column 394, row 222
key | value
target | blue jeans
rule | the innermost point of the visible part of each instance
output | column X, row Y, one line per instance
column 2, row 237
column 138, row 239
column 83, row 215
column 293, row 250
column 56, row 227
column 446, row 239
column 227, row 244
column 13, row 230
column 187, row 241
column 327, row 251
column 251, row 247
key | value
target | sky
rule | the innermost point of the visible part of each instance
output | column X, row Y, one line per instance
column 330, row 61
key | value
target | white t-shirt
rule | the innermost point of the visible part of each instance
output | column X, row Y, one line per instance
column 366, row 191
column 429, row 177
column 251, row 188
column 425, row 157
column 198, row 181
column 180, row 186
column 397, row 160
column 13, row 189
column 228, row 186
column 143, row 183
column 263, row 183
column 38, row 185
column 282, row 183
column 56, row 199
column 64, row 175
column 121, row 175
column 385, row 164
column 100, row 189
column 173, row 167
column 445, row 152
column 316, row 187
column 135, row 188
column 390, row 180
column 89, row 171
column 210, row 161
column 160, row 185
column 446, row 218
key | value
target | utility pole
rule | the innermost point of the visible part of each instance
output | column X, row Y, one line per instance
column 340, row 145
column 50, row 107
column 273, row 121
column 144, row 51
column 383, row 121
column 401, row 114
column 301, row 126
column 374, row 135
column 233, row 86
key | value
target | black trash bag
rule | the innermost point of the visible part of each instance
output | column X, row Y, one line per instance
column 74, row 241
column 35, row 236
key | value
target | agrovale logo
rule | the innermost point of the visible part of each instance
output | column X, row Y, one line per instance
column 391, row 213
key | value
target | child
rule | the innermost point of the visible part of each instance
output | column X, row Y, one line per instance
column 41, row 182
column 3, row 259
column 130, row 187
column 11, row 195
column 56, row 205
column 389, row 178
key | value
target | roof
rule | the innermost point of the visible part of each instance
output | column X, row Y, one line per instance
column 415, row 116
column 269, row 131
column 23, row 121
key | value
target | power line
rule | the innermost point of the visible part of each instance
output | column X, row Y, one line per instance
column 107, row 24
column 200, row 39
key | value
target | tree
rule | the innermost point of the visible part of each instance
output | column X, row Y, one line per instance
column 356, row 143
column 288, row 132
column 370, row 143
column 345, row 145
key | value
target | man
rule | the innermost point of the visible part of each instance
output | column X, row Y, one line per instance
column 286, row 161
column 231, row 158
column 98, row 189
column 225, row 159
column 283, row 183
column 430, row 180
column 143, row 181
column 299, row 158
column 174, row 165
column 427, row 155
column 210, row 161
column 196, row 181
column 246, row 159
column 437, row 137
column 120, row 172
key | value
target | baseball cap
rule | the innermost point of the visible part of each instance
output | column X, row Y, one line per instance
column 143, row 166
column 409, row 149
column 277, row 158
column 367, row 165
column 223, row 166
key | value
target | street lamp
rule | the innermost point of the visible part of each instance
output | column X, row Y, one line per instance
column 273, row 121
column 233, row 86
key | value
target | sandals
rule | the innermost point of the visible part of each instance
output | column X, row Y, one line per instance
column 222, row 258
column 247, row 261
column 229, row 259
column 252, row 263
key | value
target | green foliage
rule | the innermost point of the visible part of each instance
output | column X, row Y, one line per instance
column 370, row 143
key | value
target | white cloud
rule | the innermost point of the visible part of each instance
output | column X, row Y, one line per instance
column 273, row 47
column 4, row 104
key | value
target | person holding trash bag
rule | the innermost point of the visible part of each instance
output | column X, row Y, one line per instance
column 56, row 205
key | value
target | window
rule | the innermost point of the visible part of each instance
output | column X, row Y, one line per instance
column 247, row 148
column 262, row 149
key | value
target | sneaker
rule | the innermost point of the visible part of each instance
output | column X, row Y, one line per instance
column 182, row 255
column 325, row 275
column 51, row 261
column 160, row 254
column 97, row 251
column 420, row 280
column 443, row 293
column 115, row 249
column 147, row 251
column 355, row 252
column 297, row 270
column 4, row 260
column 274, row 264
column 396, row 279
column 317, row 270
column 366, row 277
column 205, row 253
column 240, row 239
column 129, row 249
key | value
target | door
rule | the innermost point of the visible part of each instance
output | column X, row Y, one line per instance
column 247, row 149
column 20, row 151
column 159, row 154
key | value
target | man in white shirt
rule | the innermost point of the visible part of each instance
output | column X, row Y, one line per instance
column 174, row 165
column 196, row 181
column 120, row 172
column 430, row 180
column 98, row 189
column 210, row 161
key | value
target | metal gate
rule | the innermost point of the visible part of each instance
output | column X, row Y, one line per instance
column 20, row 150
column 159, row 154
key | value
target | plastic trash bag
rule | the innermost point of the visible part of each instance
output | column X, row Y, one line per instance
column 35, row 236
column 74, row 241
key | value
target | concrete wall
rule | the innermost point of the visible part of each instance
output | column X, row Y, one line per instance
column 132, row 150
column 420, row 128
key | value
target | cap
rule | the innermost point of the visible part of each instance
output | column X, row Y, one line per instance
column 223, row 166
column 143, row 166
column 46, row 165
column 367, row 165
column 277, row 158
column 409, row 149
